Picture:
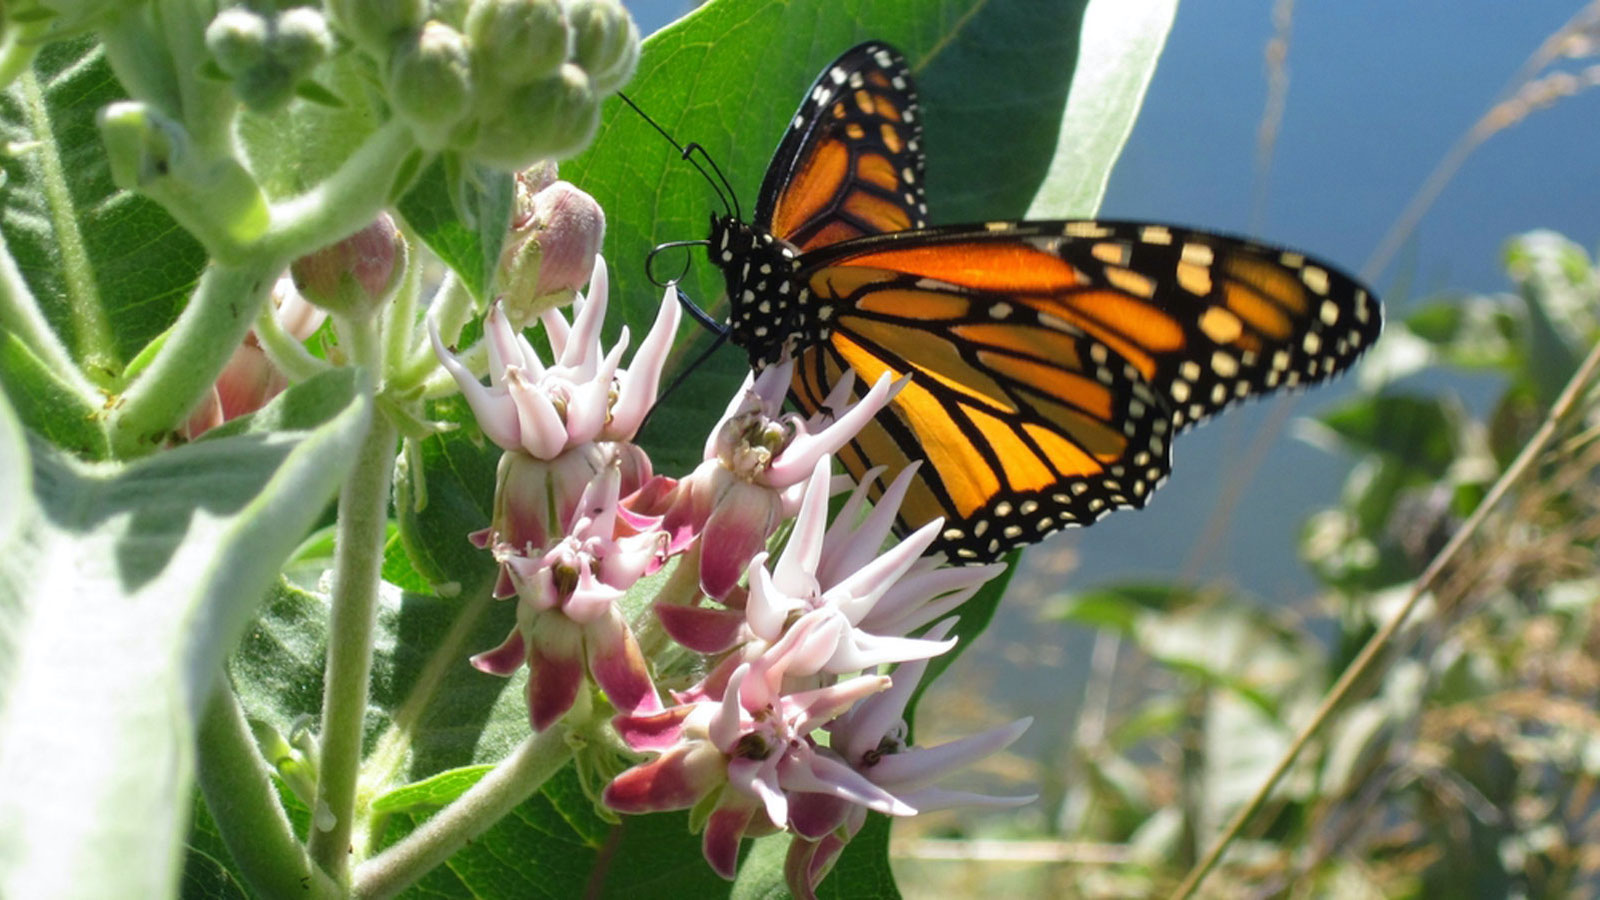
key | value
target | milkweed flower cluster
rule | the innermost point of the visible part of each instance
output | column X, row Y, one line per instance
column 809, row 655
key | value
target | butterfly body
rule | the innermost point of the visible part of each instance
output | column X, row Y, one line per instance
column 1050, row 362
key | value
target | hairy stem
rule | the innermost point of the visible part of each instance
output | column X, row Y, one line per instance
column 358, row 560
column 217, row 318
column 346, row 201
column 507, row 785
column 1373, row 652
column 237, row 785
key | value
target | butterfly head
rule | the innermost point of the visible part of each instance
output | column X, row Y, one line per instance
column 765, row 300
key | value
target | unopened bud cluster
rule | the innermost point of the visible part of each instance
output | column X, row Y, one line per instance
column 508, row 82
column 266, row 55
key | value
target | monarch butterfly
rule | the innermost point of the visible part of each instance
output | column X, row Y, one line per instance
column 1051, row 362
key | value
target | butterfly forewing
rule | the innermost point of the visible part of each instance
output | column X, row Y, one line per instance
column 851, row 162
column 1050, row 363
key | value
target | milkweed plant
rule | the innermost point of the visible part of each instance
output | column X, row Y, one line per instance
column 345, row 456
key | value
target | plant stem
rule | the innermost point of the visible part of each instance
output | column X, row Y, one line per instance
column 344, row 202
column 217, row 318
column 358, row 560
column 237, row 784
column 1367, row 660
column 284, row 350
column 500, row 791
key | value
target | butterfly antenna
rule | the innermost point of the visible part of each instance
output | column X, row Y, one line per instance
column 729, row 196
column 724, row 190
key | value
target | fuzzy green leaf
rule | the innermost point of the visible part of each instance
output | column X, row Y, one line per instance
column 120, row 595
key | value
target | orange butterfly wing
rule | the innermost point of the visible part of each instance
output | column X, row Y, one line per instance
column 851, row 161
column 1052, row 362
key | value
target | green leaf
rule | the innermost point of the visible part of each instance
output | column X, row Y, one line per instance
column 729, row 77
column 1119, row 44
column 553, row 845
column 109, row 269
column 46, row 405
column 1416, row 431
column 462, row 215
column 119, row 597
column 434, row 791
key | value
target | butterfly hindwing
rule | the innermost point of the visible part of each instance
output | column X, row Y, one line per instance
column 851, row 162
column 1052, row 362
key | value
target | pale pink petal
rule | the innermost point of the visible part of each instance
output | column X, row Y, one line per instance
column 810, row 709
column 707, row 631
column 618, row 666
column 724, row 830
column 504, row 659
column 759, row 779
column 583, row 344
column 933, row 799
column 860, row 650
column 725, row 728
column 540, row 430
column 653, row 731
column 738, row 527
column 848, row 547
column 555, row 669
column 767, row 608
column 817, row 773
column 918, row 766
column 925, row 593
column 794, row 573
column 857, row 594
column 638, row 385
column 800, row 457
column 587, row 407
column 675, row 780
column 495, row 412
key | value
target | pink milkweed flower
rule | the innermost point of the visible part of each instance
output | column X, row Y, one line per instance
column 752, row 745
column 756, row 462
column 805, row 616
column 870, row 739
column 568, row 622
column 581, row 397
column 561, row 424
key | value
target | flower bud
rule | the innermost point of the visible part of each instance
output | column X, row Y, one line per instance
column 516, row 41
column 376, row 25
column 237, row 39
column 555, row 234
column 430, row 83
column 605, row 43
column 552, row 118
column 355, row 276
column 301, row 39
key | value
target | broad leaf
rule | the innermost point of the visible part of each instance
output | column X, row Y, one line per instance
column 120, row 595
column 1118, row 50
